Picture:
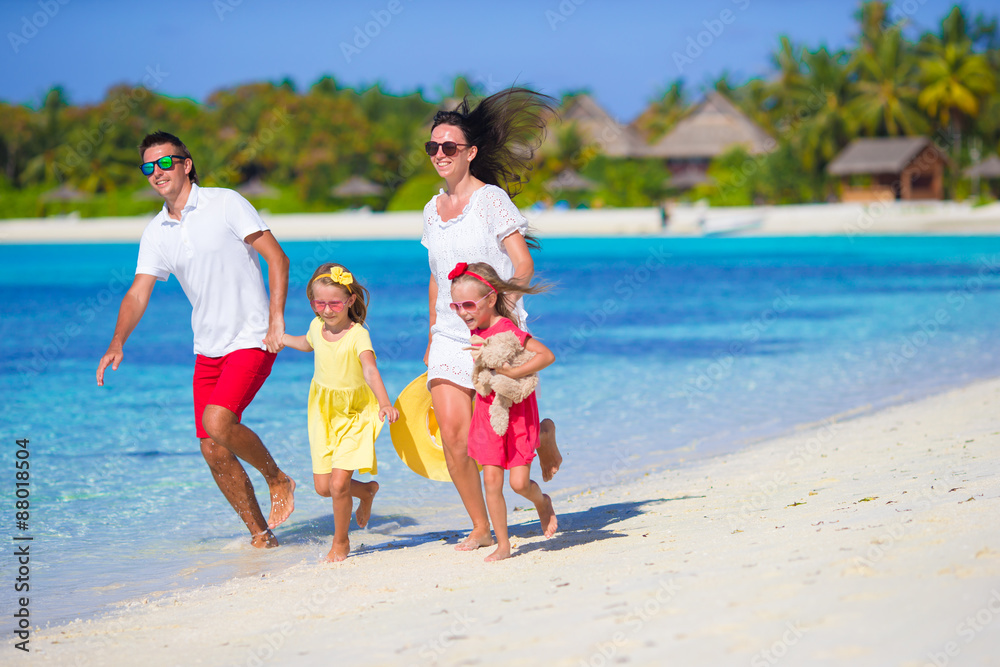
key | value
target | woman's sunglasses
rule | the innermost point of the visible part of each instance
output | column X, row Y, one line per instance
column 449, row 147
column 166, row 162
column 467, row 306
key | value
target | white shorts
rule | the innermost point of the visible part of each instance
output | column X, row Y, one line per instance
column 448, row 361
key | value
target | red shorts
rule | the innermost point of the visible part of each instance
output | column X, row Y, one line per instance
column 230, row 381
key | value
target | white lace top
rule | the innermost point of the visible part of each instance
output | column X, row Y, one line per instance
column 476, row 235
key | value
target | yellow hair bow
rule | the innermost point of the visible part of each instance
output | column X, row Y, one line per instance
column 338, row 275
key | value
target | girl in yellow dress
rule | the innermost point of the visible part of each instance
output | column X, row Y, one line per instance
column 347, row 399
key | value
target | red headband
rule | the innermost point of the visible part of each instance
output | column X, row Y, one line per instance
column 462, row 269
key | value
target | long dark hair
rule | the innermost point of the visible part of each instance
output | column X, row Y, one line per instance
column 506, row 128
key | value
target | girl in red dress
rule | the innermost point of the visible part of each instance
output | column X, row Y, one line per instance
column 483, row 300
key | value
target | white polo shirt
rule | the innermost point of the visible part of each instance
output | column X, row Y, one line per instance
column 219, row 272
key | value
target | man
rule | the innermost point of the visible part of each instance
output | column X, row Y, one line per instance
column 211, row 240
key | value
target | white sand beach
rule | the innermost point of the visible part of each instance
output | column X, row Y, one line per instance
column 681, row 220
column 871, row 540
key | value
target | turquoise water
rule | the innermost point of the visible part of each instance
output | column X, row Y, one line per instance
column 667, row 350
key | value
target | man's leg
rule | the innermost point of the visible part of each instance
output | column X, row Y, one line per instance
column 224, row 429
column 236, row 487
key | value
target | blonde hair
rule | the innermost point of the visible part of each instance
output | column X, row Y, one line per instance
column 504, row 288
column 359, row 309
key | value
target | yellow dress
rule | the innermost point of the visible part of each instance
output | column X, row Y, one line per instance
column 343, row 410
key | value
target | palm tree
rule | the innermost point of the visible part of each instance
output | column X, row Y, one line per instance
column 956, row 80
column 885, row 97
column 826, row 125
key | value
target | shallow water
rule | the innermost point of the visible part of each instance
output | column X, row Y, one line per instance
column 667, row 350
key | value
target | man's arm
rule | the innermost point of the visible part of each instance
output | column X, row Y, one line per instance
column 277, row 277
column 129, row 313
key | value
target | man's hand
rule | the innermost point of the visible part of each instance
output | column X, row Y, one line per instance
column 275, row 332
column 113, row 357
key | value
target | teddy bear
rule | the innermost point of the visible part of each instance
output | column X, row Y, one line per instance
column 495, row 352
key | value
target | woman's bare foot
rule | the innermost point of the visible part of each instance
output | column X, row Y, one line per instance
column 282, row 500
column 499, row 554
column 547, row 516
column 364, row 511
column 339, row 551
column 474, row 541
column 549, row 458
column 264, row 540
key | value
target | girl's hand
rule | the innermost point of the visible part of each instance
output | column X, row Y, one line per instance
column 390, row 412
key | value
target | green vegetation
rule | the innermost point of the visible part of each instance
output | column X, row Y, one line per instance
column 60, row 158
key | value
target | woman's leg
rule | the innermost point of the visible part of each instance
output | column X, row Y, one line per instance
column 453, row 412
column 493, row 481
column 523, row 485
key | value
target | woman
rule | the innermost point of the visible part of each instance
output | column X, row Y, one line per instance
column 481, row 154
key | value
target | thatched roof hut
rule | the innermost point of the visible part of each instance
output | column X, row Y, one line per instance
column 568, row 180
column 356, row 187
column 896, row 168
column 257, row 188
column 711, row 129
column 599, row 129
column 987, row 169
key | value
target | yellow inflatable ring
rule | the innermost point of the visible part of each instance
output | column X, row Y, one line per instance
column 416, row 434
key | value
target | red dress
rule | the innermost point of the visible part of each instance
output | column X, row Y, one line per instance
column 517, row 446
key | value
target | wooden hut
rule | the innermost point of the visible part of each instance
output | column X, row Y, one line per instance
column 988, row 170
column 881, row 169
column 709, row 130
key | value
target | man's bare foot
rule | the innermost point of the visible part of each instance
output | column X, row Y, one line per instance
column 364, row 511
column 549, row 458
column 473, row 542
column 547, row 516
column 339, row 551
column 282, row 500
column 264, row 540
column 499, row 554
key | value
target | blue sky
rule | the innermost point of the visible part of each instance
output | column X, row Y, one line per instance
column 625, row 52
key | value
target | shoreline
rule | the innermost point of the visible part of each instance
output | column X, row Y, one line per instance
column 678, row 220
column 869, row 539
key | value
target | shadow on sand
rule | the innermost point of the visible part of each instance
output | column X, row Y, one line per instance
column 575, row 528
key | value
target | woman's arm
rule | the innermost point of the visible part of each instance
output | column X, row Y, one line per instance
column 432, row 295
column 374, row 380
column 543, row 357
column 296, row 342
column 520, row 256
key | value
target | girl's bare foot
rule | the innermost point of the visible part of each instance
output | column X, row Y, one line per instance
column 339, row 551
column 282, row 500
column 264, row 540
column 364, row 511
column 474, row 541
column 547, row 516
column 499, row 554
column 549, row 458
